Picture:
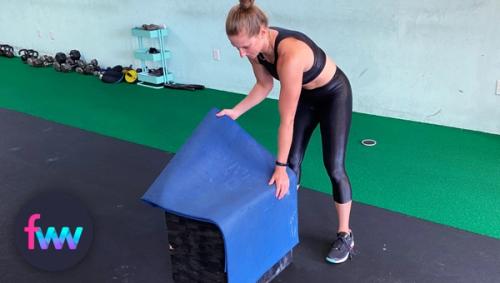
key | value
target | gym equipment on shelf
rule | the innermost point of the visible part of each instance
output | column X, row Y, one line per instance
column 158, row 55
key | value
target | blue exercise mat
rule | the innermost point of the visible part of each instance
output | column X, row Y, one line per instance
column 220, row 175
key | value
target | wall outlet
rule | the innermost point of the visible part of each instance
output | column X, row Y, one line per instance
column 498, row 87
column 216, row 54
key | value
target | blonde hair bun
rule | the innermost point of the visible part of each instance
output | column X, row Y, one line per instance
column 246, row 4
column 245, row 17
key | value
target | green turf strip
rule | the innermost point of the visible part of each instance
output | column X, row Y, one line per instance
column 446, row 175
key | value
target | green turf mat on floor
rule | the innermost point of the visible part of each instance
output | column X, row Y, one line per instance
column 446, row 175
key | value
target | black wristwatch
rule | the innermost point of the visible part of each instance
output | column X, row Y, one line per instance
column 281, row 164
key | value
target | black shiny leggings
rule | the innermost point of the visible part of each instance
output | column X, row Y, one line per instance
column 330, row 106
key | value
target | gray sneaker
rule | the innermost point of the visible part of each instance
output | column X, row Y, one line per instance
column 341, row 248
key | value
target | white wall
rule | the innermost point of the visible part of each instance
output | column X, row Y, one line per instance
column 430, row 61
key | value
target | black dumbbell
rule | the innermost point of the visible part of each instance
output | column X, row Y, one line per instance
column 35, row 62
column 7, row 51
column 28, row 54
column 33, row 56
column 63, row 63
column 75, row 55
column 60, row 57
column 43, row 61
column 67, row 66
column 87, row 69
column 48, row 60
column 24, row 54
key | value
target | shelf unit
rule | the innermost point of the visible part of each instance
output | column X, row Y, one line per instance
column 155, row 37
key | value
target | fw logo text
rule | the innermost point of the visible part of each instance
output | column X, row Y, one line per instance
column 51, row 235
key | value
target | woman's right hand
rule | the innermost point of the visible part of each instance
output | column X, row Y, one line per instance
column 231, row 113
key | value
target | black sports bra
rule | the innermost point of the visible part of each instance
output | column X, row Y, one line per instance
column 319, row 55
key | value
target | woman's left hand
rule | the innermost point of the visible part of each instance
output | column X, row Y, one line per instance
column 280, row 178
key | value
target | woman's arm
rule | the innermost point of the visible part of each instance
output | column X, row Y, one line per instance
column 292, row 60
column 261, row 89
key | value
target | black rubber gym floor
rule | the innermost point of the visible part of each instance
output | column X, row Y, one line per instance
column 130, row 242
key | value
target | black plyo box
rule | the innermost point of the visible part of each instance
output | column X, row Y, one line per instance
column 197, row 252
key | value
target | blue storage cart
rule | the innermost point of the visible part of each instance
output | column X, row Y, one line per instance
column 156, row 37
